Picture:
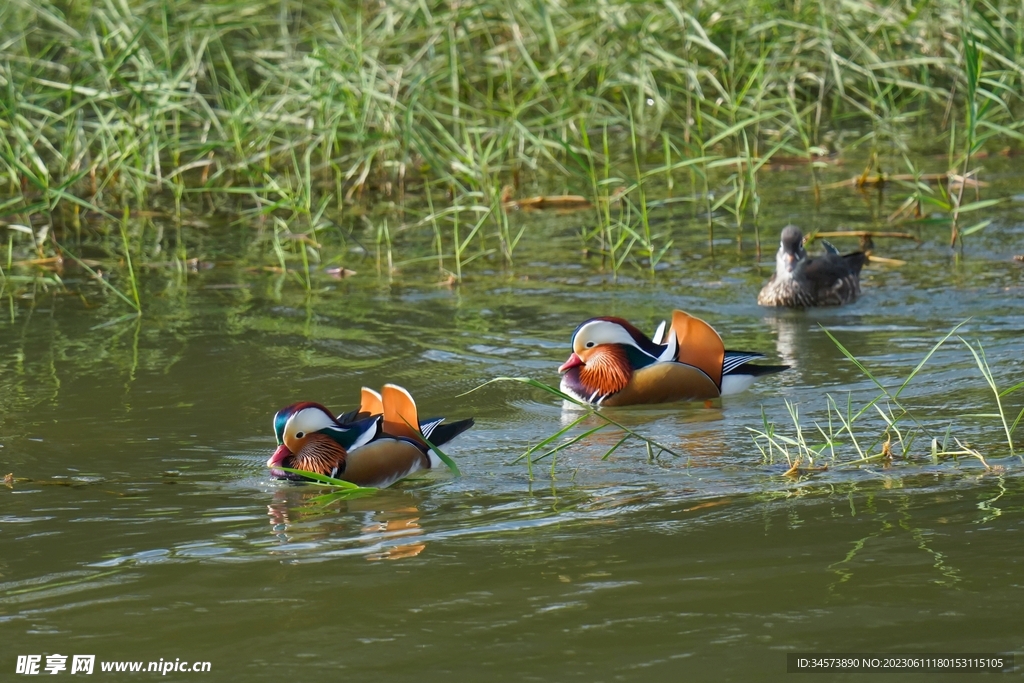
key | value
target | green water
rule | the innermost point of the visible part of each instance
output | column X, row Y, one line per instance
column 143, row 526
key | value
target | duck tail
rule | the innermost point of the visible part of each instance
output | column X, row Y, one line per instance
column 855, row 261
column 759, row 370
column 439, row 433
column 742, row 377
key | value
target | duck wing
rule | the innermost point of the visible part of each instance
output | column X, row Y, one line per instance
column 383, row 462
column 370, row 404
column 824, row 272
column 665, row 383
column 697, row 344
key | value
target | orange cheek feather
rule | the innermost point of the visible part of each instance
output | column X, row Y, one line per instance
column 607, row 370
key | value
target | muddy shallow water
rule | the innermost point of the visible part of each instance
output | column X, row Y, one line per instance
column 142, row 524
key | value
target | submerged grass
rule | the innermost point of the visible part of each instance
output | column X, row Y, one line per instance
column 333, row 122
column 588, row 413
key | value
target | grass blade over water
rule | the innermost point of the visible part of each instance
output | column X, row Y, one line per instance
column 857, row 427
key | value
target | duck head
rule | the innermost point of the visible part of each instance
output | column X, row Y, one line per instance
column 605, row 353
column 791, row 250
column 310, row 438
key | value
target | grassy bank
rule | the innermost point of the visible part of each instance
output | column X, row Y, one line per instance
column 321, row 120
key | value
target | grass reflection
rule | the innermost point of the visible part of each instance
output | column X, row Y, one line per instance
column 897, row 526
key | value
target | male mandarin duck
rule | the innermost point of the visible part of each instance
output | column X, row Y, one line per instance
column 615, row 364
column 801, row 282
column 376, row 445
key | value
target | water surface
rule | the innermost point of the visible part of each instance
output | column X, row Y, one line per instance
column 143, row 526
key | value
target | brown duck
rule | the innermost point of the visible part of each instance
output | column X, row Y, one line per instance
column 800, row 281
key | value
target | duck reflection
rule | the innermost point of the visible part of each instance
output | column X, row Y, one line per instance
column 397, row 523
column 802, row 343
column 791, row 333
column 385, row 521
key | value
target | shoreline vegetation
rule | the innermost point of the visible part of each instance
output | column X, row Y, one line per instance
column 366, row 124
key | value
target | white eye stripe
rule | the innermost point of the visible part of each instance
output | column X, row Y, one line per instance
column 307, row 421
column 602, row 332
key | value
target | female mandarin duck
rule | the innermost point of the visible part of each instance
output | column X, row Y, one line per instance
column 801, row 282
column 615, row 364
column 378, row 444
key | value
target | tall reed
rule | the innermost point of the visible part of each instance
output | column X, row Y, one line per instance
column 301, row 111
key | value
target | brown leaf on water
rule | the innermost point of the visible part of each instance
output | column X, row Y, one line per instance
column 52, row 263
column 880, row 180
column 781, row 162
column 565, row 202
column 796, row 470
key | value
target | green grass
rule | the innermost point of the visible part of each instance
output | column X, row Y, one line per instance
column 404, row 120
column 885, row 428
column 344, row 490
column 552, row 445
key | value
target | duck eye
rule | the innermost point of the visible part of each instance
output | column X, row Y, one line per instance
column 299, row 435
column 590, row 344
